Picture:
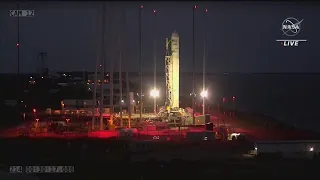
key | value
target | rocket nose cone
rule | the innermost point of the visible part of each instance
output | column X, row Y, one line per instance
column 175, row 33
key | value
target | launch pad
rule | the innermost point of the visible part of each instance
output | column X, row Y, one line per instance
column 172, row 113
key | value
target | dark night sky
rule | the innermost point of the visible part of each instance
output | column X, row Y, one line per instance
column 241, row 35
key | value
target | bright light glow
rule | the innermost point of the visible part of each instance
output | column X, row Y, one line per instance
column 17, row 45
column 154, row 93
column 154, row 11
column 122, row 101
column 204, row 94
column 311, row 149
column 195, row 7
column 235, row 134
column 133, row 101
column 141, row 6
column 206, row 10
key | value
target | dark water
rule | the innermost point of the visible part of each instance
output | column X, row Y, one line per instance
column 293, row 99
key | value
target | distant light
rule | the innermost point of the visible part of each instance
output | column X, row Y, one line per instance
column 141, row 6
column 206, row 10
column 154, row 11
column 311, row 149
column 37, row 119
column 233, row 97
column 195, row 7
column 17, row 44
column 122, row 101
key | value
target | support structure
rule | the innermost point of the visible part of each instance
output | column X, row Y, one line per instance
column 140, row 58
column 193, row 94
column 155, row 61
column 103, row 58
column 168, row 70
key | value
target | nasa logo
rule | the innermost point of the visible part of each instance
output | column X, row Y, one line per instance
column 291, row 26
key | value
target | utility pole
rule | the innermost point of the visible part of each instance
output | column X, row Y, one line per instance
column 140, row 57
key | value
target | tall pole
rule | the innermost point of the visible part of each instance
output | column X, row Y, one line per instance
column 155, row 61
column 103, row 55
column 120, row 86
column 127, row 68
column 140, row 57
column 95, row 88
column 204, row 63
column 18, row 53
column 111, row 72
column 97, row 68
column 194, row 67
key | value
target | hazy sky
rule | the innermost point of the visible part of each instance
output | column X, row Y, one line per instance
column 241, row 35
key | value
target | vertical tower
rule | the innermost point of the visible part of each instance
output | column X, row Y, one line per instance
column 168, row 70
column 175, row 69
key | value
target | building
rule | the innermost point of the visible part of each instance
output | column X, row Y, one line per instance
column 110, row 100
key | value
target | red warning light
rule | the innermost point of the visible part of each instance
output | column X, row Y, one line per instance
column 154, row 11
column 17, row 44
column 141, row 6
column 34, row 110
